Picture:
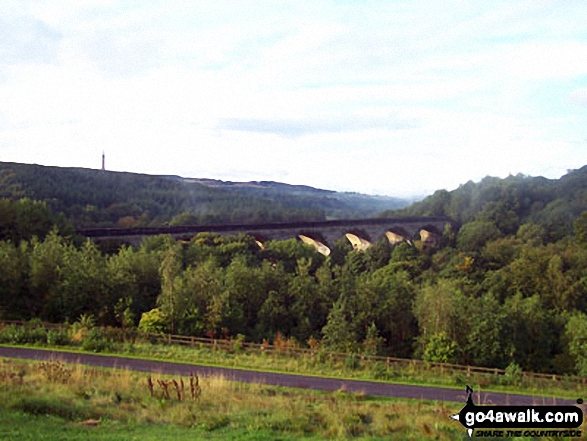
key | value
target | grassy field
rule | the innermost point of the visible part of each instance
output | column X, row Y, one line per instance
column 56, row 401
column 53, row 400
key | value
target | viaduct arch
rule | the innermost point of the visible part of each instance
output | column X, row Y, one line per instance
column 321, row 234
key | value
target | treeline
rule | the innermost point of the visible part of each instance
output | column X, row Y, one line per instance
column 500, row 206
column 491, row 301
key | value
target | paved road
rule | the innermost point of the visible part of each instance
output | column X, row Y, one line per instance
column 288, row 380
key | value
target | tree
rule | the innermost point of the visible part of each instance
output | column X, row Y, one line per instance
column 288, row 252
column 170, row 269
column 308, row 308
column 529, row 333
column 244, row 287
column 531, row 233
column 81, row 288
column 33, row 218
column 474, row 235
column 337, row 333
column 45, row 259
column 485, row 339
column 12, row 282
column 576, row 334
column 497, row 212
column 121, row 288
column 204, row 300
column 185, row 218
column 275, row 314
column 580, row 227
column 438, row 308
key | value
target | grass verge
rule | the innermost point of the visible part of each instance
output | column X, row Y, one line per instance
column 54, row 400
column 311, row 366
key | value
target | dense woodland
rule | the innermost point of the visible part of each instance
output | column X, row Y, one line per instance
column 89, row 198
column 510, row 286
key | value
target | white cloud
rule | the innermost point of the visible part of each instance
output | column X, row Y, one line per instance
column 579, row 96
column 394, row 98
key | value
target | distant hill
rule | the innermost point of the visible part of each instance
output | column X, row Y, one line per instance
column 102, row 198
column 510, row 202
column 337, row 205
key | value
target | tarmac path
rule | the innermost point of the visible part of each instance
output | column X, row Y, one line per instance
column 383, row 389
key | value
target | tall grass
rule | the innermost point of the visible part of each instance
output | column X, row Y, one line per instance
column 76, row 393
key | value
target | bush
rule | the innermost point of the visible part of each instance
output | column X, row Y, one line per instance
column 513, row 375
column 95, row 341
column 5, row 334
column 20, row 335
column 153, row 321
column 58, row 338
column 440, row 348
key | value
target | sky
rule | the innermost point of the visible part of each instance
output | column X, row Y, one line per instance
column 396, row 98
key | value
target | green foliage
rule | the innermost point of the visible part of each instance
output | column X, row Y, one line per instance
column 474, row 235
column 513, row 374
column 580, row 227
column 184, row 218
column 20, row 335
column 373, row 343
column 487, row 323
column 58, row 338
column 24, row 219
column 576, row 335
column 511, row 202
column 529, row 332
column 153, row 321
column 12, row 281
column 96, row 341
column 532, row 234
column 337, row 334
column 440, row 348
column 439, row 310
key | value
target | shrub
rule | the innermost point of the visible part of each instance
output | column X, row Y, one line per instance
column 95, row 341
column 58, row 338
column 153, row 321
column 19, row 335
column 513, row 374
column 440, row 348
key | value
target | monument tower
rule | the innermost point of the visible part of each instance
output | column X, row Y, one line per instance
column 103, row 161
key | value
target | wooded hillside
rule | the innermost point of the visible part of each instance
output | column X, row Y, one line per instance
column 101, row 198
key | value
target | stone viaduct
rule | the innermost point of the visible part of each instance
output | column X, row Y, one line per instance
column 321, row 234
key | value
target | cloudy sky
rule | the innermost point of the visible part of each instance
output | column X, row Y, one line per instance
column 383, row 97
